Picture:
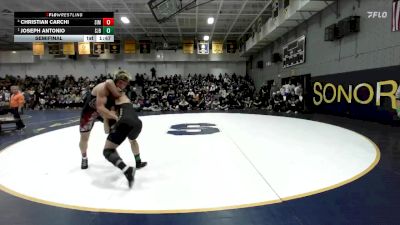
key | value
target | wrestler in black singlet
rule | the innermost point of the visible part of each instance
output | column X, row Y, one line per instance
column 128, row 125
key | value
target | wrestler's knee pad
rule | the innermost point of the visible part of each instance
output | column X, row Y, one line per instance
column 108, row 151
column 111, row 155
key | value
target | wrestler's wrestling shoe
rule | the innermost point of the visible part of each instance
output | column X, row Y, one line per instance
column 140, row 164
column 130, row 175
column 84, row 164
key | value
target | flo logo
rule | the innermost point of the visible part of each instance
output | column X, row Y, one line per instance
column 193, row 129
column 379, row 15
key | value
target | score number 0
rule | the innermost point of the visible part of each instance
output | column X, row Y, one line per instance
column 108, row 21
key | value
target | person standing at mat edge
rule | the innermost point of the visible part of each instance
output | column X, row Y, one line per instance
column 16, row 104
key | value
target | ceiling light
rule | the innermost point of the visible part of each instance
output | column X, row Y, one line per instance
column 125, row 19
column 14, row 52
column 206, row 37
column 210, row 20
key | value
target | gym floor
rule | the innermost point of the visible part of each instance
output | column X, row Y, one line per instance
column 357, row 181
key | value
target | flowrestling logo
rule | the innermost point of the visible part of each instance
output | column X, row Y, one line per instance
column 377, row 15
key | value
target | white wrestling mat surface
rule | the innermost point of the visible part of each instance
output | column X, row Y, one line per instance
column 252, row 160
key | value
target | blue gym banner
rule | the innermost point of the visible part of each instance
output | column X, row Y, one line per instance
column 367, row 94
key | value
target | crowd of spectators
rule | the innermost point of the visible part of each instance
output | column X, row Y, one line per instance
column 166, row 93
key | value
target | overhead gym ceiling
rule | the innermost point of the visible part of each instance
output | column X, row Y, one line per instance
column 233, row 18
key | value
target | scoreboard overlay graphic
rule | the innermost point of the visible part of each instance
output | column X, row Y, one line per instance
column 63, row 27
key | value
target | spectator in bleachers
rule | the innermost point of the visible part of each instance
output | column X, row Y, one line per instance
column 196, row 92
column 234, row 102
column 264, row 94
column 291, row 86
column 183, row 104
column 278, row 102
column 201, row 105
column 6, row 94
column 293, row 102
column 282, row 91
column 215, row 104
column 1, row 98
column 248, row 103
column 257, row 102
column 208, row 102
column 146, row 105
column 298, row 90
column 223, row 104
column 154, row 107
column 286, row 89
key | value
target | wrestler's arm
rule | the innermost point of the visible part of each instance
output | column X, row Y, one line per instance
column 116, row 92
column 106, row 122
column 118, row 101
column 101, row 100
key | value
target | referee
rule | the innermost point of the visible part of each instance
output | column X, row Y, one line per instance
column 16, row 104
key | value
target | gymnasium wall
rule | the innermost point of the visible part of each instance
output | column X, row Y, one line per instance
column 374, row 47
column 92, row 68
column 365, row 66
column 165, row 63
